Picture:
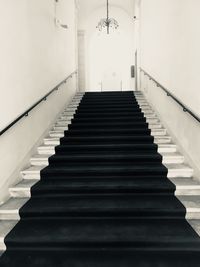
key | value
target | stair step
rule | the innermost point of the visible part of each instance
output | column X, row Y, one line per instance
column 47, row 150
column 62, row 122
column 5, row 227
column 55, row 134
column 179, row 170
column 163, row 140
column 160, row 235
column 174, row 170
column 10, row 209
column 42, row 160
column 167, row 148
column 52, row 141
column 60, row 128
column 172, row 158
column 100, row 205
column 22, row 189
column 196, row 225
column 32, row 172
column 186, row 186
column 192, row 205
column 68, row 113
column 158, row 132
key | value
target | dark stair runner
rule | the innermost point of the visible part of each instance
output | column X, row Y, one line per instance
column 104, row 200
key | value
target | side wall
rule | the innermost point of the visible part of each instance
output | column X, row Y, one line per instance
column 35, row 56
column 169, row 45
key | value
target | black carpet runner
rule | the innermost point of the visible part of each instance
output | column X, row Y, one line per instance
column 104, row 200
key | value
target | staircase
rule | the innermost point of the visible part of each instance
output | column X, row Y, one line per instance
column 107, row 189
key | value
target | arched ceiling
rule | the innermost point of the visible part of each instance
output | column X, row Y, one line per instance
column 86, row 7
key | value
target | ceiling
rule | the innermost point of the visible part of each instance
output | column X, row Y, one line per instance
column 86, row 7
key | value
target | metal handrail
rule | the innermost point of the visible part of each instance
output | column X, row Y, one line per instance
column 44, row 98
column 185, row 108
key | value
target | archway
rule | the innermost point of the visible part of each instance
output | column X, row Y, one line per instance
column 109, row 57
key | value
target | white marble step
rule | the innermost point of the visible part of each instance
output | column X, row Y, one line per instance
column 174, row 170
column 179, row 170
column 196, row 225
column 46, row 150
column 50, row 149
column 160, row 135
column 22, row 189
column 5, row 227
column 60, row 128
column 68, row 114
column 55, row 140
column 40, row 160
column 10, row 209
column 155, row 126
column 62, row 121
column 69, row 110
column 158, row 132
column 151, row 116
column 65, row 117
column 56, row 134
column 64, row 124
column 32, row 172
column 147, row 110
column 152, row 120
column 171, row 148
column 52, row 141
column 163, row 139
column 192, row 205
column 184, row 187
column 172, row 158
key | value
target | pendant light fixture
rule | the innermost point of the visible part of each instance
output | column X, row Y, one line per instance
column 107, row 23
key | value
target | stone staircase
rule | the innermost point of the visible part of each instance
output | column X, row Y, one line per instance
column 187, row 188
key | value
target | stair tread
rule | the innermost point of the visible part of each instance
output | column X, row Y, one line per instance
column 5, row 228
column 106, row 232
column 185, row 182
column 191, row 202
column 13, row 205
column 118, row 205
column 24, row 184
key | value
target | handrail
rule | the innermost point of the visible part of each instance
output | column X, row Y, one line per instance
column 185, row 108
column 44, row 98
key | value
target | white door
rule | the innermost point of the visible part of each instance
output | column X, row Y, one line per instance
column 110, row 62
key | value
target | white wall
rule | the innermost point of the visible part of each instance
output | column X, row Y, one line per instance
column 35, row 56
column 170, row 41
column 169, row 45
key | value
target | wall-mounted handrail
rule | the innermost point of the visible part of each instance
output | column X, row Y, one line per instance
column 44, row 98
column 185, row 108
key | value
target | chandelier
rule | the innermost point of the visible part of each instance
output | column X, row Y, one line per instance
column 108, row 23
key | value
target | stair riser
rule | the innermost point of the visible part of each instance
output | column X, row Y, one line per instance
column 162, row 140
column 167, row 149
column 77, row 126
column 175, row 173
column 14, row 215
column 26, row 193
column 50, row 150
column 159, row 132
column 172, row 173
column 55, row 134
